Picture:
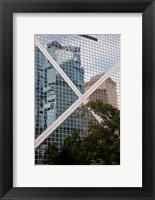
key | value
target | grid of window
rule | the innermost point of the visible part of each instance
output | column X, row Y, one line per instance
column 116, row 78
column 84, row 59
column 52, row 94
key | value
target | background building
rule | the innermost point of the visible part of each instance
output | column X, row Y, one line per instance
column 105, row 92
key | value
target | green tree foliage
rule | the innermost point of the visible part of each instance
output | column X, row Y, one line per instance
column 104, row 138
column 51, row 155
column 100, row 147
column 70, row 150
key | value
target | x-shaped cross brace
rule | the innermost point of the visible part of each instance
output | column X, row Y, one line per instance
column 82, row 97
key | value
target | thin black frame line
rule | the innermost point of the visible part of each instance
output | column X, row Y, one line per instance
column 8, row 7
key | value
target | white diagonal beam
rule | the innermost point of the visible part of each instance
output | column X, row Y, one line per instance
column 99, row 119
column 62, row 73
column 74, row 106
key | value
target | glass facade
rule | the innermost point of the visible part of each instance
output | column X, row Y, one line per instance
column 84, row 59
column 54, row 95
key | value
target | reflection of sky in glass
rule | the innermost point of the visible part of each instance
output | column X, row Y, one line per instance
column 97, row 57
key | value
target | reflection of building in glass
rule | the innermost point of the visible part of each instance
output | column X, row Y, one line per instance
column 39, row 84
column 56, row 96
column 106, row 92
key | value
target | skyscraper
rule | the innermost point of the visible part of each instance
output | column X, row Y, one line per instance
column 39, row 84
column 55, row 96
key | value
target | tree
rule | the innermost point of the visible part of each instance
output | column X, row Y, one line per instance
column 100, row 147
column 51, row 154
column 103, row 140
column 69, row 154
